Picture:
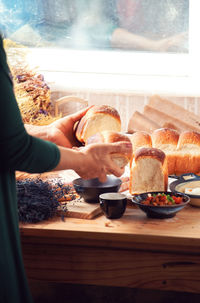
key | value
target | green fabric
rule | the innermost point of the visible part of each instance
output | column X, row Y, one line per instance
column 19, row 151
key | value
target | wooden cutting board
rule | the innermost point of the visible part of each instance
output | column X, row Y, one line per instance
column 80, row 209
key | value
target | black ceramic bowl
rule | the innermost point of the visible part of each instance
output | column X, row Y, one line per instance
column 160, row 212
column 90, row 190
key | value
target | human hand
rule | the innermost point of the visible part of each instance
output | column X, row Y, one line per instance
column 95, row 160
column 61, row 132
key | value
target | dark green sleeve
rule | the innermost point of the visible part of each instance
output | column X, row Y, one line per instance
column 19, row 150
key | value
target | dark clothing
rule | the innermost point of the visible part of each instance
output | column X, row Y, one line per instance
column 19, row 151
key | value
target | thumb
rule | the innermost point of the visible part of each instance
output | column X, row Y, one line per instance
column 78, row 115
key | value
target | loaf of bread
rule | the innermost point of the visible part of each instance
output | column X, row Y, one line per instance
column 97, row 119
column 148, row 171
column 182, row 151
column 166, row 139
column 110, row 137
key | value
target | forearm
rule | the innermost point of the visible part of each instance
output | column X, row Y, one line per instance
column 69, row 159
column 124, row 39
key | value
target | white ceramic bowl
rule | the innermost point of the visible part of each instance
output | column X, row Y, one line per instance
column 188, row 184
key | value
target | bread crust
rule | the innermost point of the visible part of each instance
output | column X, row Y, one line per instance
column 188, row 137
column 85, row 121
column 166, row 139
column 140, row 139
column 188, row 153
column 155, row 153
column 165, row 136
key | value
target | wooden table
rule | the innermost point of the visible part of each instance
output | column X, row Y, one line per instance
column 133, row 251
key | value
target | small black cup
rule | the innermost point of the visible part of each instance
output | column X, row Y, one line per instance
column 113, row 205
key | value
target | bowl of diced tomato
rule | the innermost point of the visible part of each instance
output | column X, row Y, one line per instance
column 161, row 204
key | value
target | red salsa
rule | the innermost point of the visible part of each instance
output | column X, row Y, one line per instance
column 162, row 200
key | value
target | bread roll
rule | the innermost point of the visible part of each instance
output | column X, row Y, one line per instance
column 98, row 118
column 140, row 139
column 188, row 153
column 110, row 137
column 166, row 139
column 148, row 171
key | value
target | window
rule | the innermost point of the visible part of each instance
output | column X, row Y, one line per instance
column 139, row 25
column 107, row 37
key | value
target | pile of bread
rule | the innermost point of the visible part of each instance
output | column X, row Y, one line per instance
column 155, row 156
column 164, row 152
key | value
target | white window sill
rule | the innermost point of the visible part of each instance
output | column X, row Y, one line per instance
column 129, row 84
column 117, row 72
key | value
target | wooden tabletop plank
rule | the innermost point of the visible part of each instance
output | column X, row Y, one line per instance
column 133, row 251
column 134, row 229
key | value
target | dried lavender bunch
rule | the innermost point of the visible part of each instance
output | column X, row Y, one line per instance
column 38, row 199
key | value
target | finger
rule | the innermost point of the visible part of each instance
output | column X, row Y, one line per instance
column 102, row 177
column 115, row 170
column 78, row 115
column 73, row 117
column 119, row 147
